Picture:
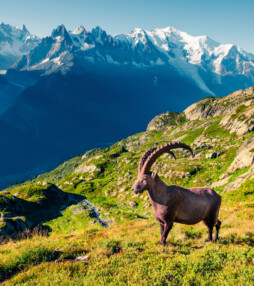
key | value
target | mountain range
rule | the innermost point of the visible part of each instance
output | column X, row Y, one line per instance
column 71, row 91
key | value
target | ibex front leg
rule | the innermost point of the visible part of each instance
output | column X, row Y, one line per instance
column 165, row 229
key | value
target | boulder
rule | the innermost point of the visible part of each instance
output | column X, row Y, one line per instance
column 84, row 168
column 244, row 157
column 199, row 110
column 240, row 180
column 168, row 120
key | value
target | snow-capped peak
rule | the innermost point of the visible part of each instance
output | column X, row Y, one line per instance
column 144, row 48
column 79, row 31
column 15, row 42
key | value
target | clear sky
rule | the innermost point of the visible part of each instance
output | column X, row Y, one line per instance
column 226, row 21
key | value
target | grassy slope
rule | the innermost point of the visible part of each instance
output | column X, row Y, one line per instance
column 127, row 251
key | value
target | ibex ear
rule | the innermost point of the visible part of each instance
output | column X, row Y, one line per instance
column 154, row 175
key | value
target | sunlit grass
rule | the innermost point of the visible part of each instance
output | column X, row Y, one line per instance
column 128, row 254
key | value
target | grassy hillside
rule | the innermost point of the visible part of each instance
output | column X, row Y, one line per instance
column 81, row 225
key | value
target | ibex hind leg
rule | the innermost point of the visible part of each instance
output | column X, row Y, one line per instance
column 217, row 226
column 209, row 222
column 217, row 221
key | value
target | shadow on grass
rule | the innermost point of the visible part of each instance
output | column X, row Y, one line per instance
column 24, row 218
column 248, row 239
column 27, row 259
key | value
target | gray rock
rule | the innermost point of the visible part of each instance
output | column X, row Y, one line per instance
column 240, row 180
column 212, row 155
column 244, row 157
column 237, row 110
column 221, row 182
column 82, row 258
column 168, row 120
column 132, row 203
column 220, row 153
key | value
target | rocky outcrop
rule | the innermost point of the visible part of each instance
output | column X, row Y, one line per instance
column 201, row 109
column 236, row 110
column 244, row 157
column 168, row 120
column 17, row 214
column 240, row 180
column 84, row 168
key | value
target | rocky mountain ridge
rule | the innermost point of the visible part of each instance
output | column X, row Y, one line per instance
column 236, row 109
column 224, row 159
column 142, row 49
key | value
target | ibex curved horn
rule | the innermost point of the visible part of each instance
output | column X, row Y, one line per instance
column 154, row 153
column 147, row 154
column 144, row 158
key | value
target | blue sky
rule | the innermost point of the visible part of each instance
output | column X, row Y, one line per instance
column 227, row 21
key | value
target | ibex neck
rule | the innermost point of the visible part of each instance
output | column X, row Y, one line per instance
column 157, row 190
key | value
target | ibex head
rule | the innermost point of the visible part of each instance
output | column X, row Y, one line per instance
column 144, row 182
column 146, row 178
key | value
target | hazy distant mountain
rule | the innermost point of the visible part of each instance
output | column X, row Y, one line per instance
column 201, row 59
column 14, row 42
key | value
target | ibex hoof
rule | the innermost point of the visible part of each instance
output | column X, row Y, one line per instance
column 162, row 243
column 208, row 240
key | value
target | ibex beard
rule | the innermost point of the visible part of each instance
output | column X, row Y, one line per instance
column 173, row 203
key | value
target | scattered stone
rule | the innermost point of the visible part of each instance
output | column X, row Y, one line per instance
column 84, row 168
column 68, row 183
column 220, row 183
column 211, row 155
column 82, row 258
column 202, row 146
column 132, row 203
column 122, row 190
column 220, row 153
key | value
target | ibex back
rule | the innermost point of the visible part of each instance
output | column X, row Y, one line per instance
column 173, row 203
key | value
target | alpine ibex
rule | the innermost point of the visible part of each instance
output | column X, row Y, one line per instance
column 176, row 204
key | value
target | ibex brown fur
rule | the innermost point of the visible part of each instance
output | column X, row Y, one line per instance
column 176, row 204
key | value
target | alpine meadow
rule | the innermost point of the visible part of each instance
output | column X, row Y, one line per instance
column 80, row 224
column 126, row 143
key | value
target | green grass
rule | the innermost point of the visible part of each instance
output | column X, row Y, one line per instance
column 243, row 194
column 215, row 130
column 237, row 173
column 126, row 253
column 239, row 110
column 192, row 135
